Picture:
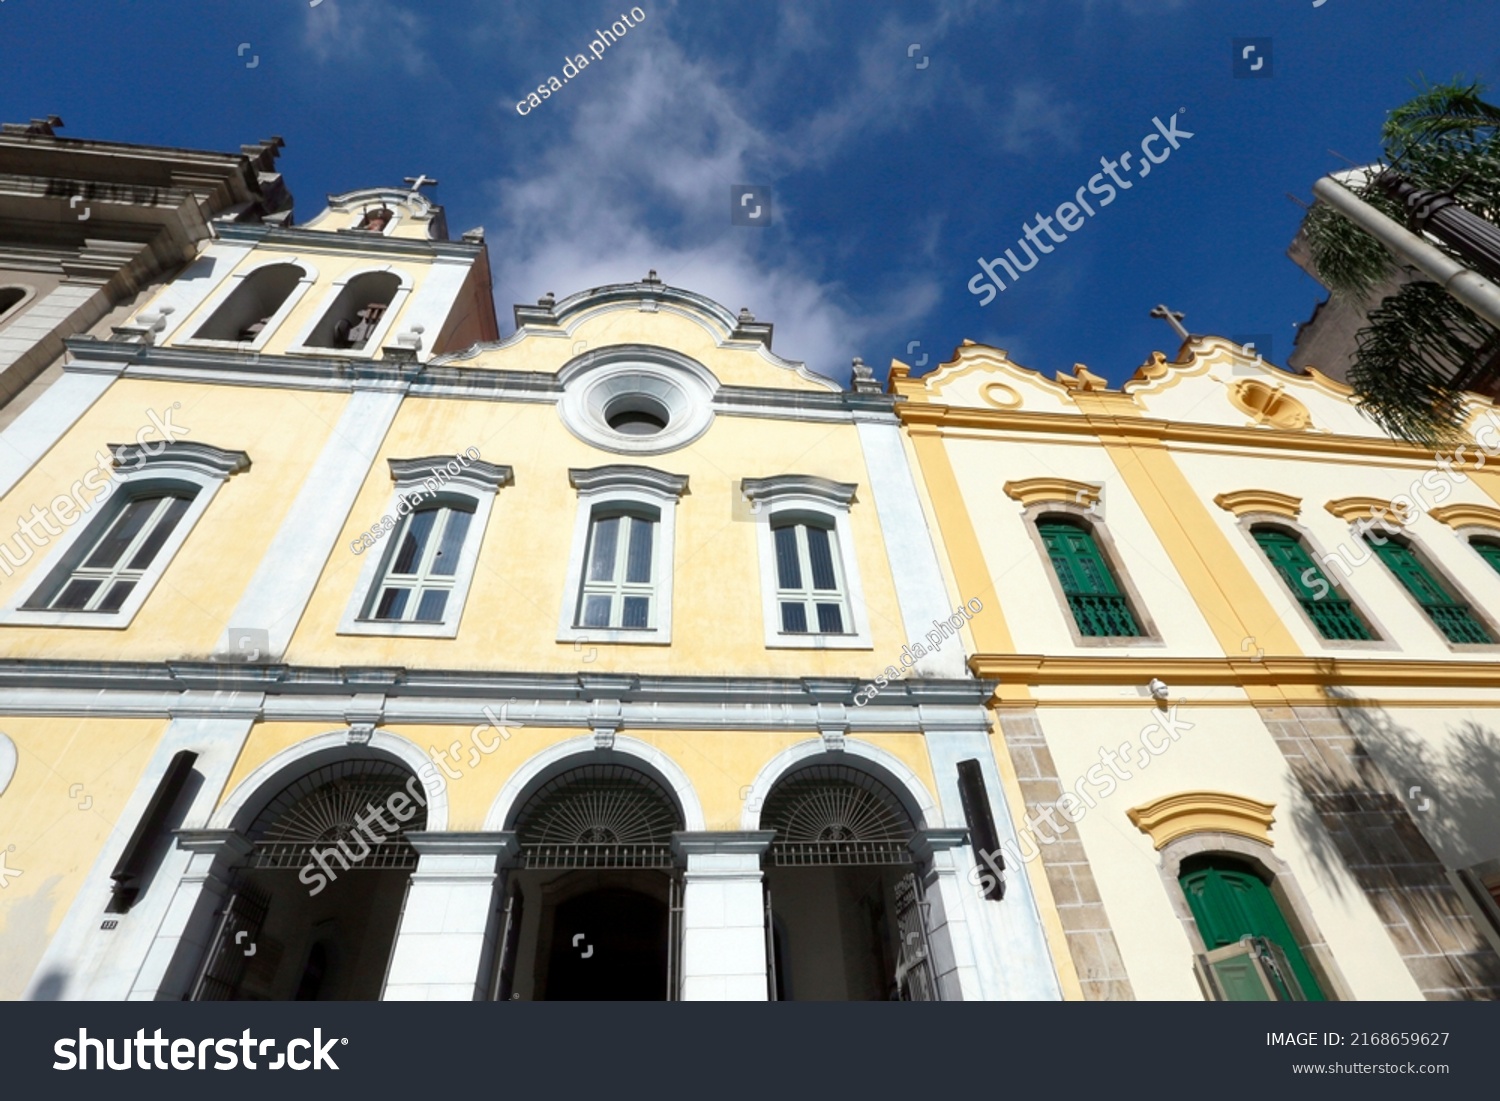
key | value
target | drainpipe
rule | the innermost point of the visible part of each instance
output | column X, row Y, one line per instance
column 1468, row 287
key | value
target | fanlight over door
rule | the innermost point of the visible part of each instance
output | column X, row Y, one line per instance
column 831, row 814
column 598, row 816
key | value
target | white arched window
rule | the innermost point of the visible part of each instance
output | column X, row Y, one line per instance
column 810, row 589
column 101, row 571
column 620, row 566
column 11, row 300
column 810, row 592
column 420, row 556
column 254, row 304
column 359, row 314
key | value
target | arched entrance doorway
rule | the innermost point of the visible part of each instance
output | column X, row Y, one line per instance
column 313, row 908
column 593, row 905
column 847, row 917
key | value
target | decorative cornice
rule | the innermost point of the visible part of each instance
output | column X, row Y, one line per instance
column 179, row 454
column 932, row 416
column 603, row 479
column 281, row 693
column 1351, row 509
column 1460, row 516
column 1248, row 671
column 814, row 404
column 1173, row 816
column 1260, row 500
column 365, row 244
column 1043, row 491
column 477, row 472
column 174, row 364
column 799, row 485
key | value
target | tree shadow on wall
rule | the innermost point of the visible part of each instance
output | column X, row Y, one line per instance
column 1390, row 810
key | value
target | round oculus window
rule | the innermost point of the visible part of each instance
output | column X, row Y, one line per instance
column 637, row 401
column 637, row 415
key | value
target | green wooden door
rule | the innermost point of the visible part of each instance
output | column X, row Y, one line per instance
column 1453, row 617
column 1332, row 615
column 1095, row 599
column 1230, row 902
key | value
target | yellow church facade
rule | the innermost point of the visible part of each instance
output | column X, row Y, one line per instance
column 358, row 653
column 1245, row 652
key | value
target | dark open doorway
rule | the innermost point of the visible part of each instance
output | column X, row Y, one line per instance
column 608, row 945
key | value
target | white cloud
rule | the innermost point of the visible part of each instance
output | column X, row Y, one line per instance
column 641, row 150
column 357, row 33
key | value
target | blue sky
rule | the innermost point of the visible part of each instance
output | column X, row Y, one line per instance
column 890, row 178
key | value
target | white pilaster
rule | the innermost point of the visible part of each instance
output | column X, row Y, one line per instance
column 283, row 584
column 83, row 960
column 940, row 853
column 448, row 924
column 192, row 915
column 920, row 590
column 35, row 338
column 1007, row 942
column 723, row 916
column 32, row 434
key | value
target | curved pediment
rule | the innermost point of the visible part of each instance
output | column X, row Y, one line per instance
column 554, row 334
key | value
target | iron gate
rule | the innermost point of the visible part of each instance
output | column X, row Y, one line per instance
column 223, row 967
column 915, row 981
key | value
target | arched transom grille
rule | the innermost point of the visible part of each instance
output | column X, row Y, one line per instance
column 598, row 816
column 832, row 814
column 345, row 808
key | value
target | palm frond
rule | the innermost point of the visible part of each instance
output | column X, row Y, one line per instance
column 1417, row 345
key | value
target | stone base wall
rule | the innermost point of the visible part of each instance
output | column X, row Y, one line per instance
column 1101, row 971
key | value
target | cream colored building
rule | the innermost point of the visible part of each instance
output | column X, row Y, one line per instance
column 1228, row 697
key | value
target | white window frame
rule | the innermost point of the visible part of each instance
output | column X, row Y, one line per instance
column 625, row 488
column 233, row 283
column 119, row 572
column 416, row 482
column 617, row 587
column 140, row 469
column 800, row 498
column 371, row 347
column 806, row 595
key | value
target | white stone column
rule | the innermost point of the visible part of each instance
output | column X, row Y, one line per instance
column 446, row 941
column 723, row 915
column 192, row 916
column 941, row 856
column 1007, row 941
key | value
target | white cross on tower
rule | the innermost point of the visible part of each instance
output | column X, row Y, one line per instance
column 1172, row 318
column 419, row 182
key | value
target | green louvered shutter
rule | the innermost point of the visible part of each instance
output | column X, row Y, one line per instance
column 1453, row 617
column 1098, row 606
column 1333, row 616
column 1489, row 551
